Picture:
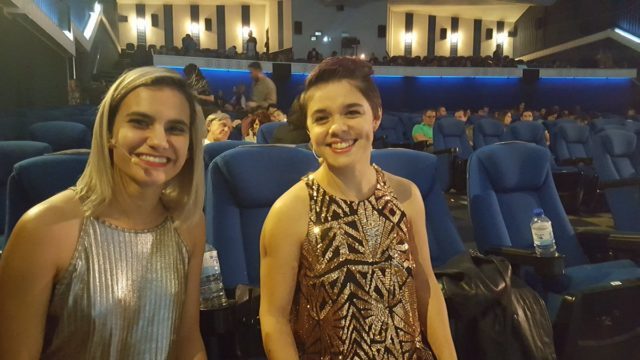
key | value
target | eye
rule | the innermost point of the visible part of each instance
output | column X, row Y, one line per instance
column 353, row 113
column 177, row 129
column 139, row 123
column 320, row 119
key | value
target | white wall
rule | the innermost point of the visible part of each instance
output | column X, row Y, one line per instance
column 127, row 30
column 257, row 23
column 443, row 47
column 181, row 23
column 155, row 35
column 208, row 39
column 395, row 32
column 488, row 46
column 288, row 23
column 361, row 21
column 233, row 24
column 420, row 30
column 465, row 36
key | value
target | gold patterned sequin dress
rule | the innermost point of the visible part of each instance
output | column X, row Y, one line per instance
column 355, row 295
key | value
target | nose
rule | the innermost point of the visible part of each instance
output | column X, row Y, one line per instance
column 158, row 138
column 338, row 126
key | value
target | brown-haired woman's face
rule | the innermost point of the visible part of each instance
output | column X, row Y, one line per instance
column 340, row 122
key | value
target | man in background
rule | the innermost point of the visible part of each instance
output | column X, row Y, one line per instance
column 263, row 89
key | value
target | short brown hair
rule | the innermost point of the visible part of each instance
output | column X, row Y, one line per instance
column 356, row 71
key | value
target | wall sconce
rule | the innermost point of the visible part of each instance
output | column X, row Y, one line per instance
column 313, row 38
column 318, row 33
column 500, row 39
column 140, row 24
column 326, row 39
column 362, row 56
column 245, row 31
column 454, row 38
column 408, row 38
column 195, row 28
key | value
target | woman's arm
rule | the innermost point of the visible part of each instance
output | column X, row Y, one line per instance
column 280, row 242
column 40, row 248
column 188, row 340
column 430, row 299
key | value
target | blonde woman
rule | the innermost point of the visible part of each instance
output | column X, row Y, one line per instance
column 110, row 268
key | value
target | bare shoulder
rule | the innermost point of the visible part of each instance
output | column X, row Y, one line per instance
column 405, row 190
column 289, row 215
column 193, row 233
column 51, row 227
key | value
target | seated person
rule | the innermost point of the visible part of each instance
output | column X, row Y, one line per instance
column 218, row 127
column 238, row 101
column 251, row 124
column 505, row 118
column 424, row 130
column 275, row 113
column 295, row 131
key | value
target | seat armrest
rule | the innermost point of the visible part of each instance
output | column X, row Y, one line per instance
column 604, row 245
column 575, row 162
column 545, row 266
column 631, row 182
column 447, row 151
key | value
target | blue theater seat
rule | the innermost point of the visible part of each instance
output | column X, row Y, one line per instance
column 61, row 135
column 617, row 163
column 601, row 124
column 391, row 131
column 37, row 179
column 450, row 140
column 507, row 181
column 420, row 168
column 11, row 153
column 487, row 131
column 266, row 131
column 213, row 150
column 573, row 142
column 243, row 184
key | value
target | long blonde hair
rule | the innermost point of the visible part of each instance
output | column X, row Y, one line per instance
column 184, row 194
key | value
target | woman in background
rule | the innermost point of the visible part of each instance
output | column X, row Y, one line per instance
column 200, row 88
column 345, row 268
column 110, row 269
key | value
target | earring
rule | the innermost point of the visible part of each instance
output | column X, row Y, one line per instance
column 314, row 152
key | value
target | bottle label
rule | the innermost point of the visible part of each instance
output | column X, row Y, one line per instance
column 210, row 263
column 542, row 235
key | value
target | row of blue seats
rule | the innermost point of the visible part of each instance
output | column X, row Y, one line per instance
column 15, row 124
column 506, row 182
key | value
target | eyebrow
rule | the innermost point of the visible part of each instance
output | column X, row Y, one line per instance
column 348, row 106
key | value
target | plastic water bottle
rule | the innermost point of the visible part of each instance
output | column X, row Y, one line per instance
column 212, row 294
column 542, row 233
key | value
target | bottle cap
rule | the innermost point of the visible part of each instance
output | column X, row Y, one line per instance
column 538, row 212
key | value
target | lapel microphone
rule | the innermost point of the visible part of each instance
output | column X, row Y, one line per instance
column 113, row 145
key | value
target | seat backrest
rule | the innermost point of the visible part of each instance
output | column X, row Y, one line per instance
column 601, row 124
column 448, row 133
column 420, row 168
column 527, row 131
column 266, row 131
column 243, row 183
column 11, row 153
column 572, row 141
column 213, row 150
column 392, row 128
column 487, row 131
column 409, row 120
column 615, row 157
column 29, row 186
column 506, row 182
column 61, row 135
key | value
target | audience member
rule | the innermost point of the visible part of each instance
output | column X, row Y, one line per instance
column 313, row 55
column 263, row 88
column 505, row 118
column 238, row 101
column 442, row 112
column 527, row 115
column 200, row 87
column 294, row 267
column 129, row 238
column 295, row 131
column 373, row 59
column 424, row 130
column 275, row 114
column 252, row 46
column 251, row 124
column 218, row 127
column 232, row 52
column 189, row 45
column 460, row 115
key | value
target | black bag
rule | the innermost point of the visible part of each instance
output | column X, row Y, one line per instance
column 493, row 315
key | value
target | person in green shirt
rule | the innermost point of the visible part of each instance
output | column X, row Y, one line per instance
column 424, row 130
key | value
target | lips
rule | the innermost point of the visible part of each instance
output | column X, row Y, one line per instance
column 342, row 146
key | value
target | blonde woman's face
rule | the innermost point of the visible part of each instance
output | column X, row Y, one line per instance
column 151, row 136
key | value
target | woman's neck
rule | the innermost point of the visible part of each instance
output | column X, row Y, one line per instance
column 352, row 183
column 133, row 206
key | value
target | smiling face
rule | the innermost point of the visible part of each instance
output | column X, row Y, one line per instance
column 151, row 136
column 219, row 129
column 341, row 123
column 429, row 117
